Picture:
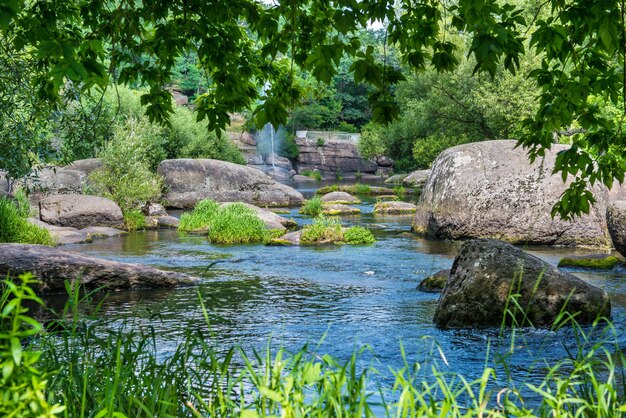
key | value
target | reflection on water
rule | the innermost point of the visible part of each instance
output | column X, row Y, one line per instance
column 349, row 295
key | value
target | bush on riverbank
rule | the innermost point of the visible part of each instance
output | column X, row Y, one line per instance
column 15, row 228
column 88, row 368
column 231, row 224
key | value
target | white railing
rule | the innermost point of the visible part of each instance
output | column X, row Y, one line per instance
column 328, row 135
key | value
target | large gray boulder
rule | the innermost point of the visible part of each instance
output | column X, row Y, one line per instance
column 487, row 271
column 616, row 221
column 54, row 181
column 490, row 190
column 189, row 181
column 80, row 211
column 340, row 197
column 87, row 165
column 52, row 266
column 4, row 184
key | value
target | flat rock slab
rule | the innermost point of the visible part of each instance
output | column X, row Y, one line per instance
column 63, row 235
column 397, row 208
column 486, row 272
column 396, row 179
column 103, row 231
column 339, row 209
column 52, row 266
column 80, row 211
column 343, row 198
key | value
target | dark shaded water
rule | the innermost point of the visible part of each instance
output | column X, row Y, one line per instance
column 350, row 296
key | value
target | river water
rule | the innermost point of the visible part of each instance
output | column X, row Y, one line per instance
column 342, row 297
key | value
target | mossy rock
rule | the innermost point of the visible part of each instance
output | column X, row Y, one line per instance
column 280, row 242
column 598, row 261
column 434, row 283
column 339, row 209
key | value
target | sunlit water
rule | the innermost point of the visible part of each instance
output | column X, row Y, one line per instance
column 347, row 297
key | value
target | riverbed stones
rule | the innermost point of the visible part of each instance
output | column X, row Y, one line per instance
column 340, row 197
column 395, row 208
column 487, row 271
column 435, row 282
column 191, row 180
column 52, row 266
column 80, row 211
column 416, row 178
column 490, row 190
column 616, row 222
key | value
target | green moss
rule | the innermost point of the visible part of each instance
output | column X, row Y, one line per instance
column 232, row 224
column 15, row 228
column 593, row 262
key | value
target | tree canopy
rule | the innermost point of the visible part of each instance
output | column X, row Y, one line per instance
column 243, row 45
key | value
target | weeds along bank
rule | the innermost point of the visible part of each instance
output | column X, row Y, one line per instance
column 76, row 366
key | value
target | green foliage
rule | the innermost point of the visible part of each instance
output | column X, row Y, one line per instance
column 362, row 189
column 134, row 220
column 320, row 142
column 15, row 228
column 358, row 235
column 371, row 143
column 338, row 174
column 229, row 224
column 399, row 191
column 314, row 174
column 312, row 207
column 126, row 177
column 23, row 387
column 322, row 231
column 602, row 263
column 426, row 149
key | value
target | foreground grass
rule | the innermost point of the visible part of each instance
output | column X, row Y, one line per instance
column 85, row 369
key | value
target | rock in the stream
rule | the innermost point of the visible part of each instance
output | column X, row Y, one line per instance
column 490, row 190
column 103, row 231
column 416, row 178
column 593, row 261
column 52, row 266
column 80, row 211
column 291, row 238
column 63, row 235
column 341, row 198
column 396, row 179
column 435, row 282
column 487, row 271
column 616, row 222
column 394, row 208
column 191, row 180
column 339, row 209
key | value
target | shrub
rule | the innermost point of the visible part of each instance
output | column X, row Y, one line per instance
column 312, row 207
column 358, row 235
column 126, row 177
column 15, row 228
column 134, row 220
column 399, row 190
column 322, row 230
column 338, row 174
column 320, row 142
column 362, row 189
column 231, row 224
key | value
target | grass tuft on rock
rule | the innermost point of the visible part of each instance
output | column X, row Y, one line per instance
column 232, row 224
column 312, row 207
column 15, row 228
column 134, row 220
column 329, row 231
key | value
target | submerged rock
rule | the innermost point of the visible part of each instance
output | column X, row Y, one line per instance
column 490, row 190
column 52, row 266
column 435, row 282
column 80, row 211
column 191, row 180
column 340, row 197
column 596, row 261
column 486, row 272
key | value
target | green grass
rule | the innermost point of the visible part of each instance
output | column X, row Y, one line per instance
column 312, row 207
column 15, row 228
column 362, row 189
column 232, row 224
column 325, row 230
column 314, row 174
column 81, row 367
column 399, row 191
column 134, row 220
